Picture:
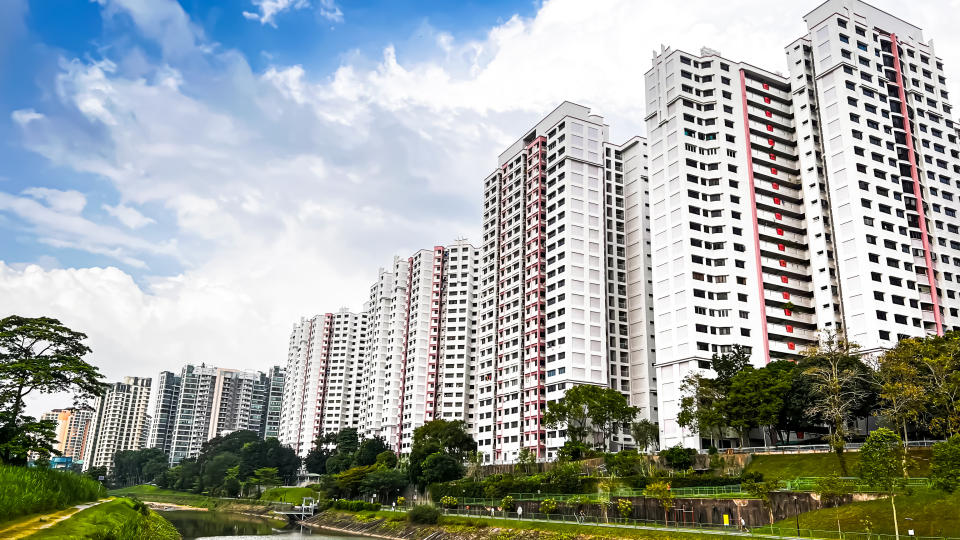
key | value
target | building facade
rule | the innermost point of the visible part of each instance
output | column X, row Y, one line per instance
column 553, row 309
column 323, row 383
column 785, row 209
column 120, row 422
column 72, row 428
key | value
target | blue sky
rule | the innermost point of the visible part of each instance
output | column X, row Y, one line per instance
column 183, row 180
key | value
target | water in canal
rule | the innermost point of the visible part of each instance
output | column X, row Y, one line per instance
column 196, row 524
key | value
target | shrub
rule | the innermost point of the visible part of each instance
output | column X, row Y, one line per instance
column 355, row 506
column 401, row 501
column 678, row 457
column 507, row 503
column 548, row 506
column 945, row 464
column 448, row 502
column 625, row 507
column 423, row 514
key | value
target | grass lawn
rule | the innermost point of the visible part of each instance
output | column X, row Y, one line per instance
column 155, row 494
column 293, row 495
column 114, row 519
column 931, row 513
column 469, row 524
column 795, row 465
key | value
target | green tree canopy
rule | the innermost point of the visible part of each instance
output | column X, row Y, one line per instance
column 38, row 356
column 883, row 467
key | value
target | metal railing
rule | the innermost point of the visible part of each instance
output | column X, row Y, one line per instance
column 855, row 484
column 814, row 448
column 675, row 522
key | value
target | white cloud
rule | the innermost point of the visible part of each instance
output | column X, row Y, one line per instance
column 69, row 201
column 283, row 191
column 130, row 217
column 25, row 116
column 269, row 9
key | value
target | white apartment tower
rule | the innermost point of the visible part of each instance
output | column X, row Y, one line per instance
column 422, row 343
column 553, row 280
column 323, row 387
column 878, row 143
column 120, row 422
column 784, row 208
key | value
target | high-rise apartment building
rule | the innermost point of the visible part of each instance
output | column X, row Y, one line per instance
column 206, row 402
column 553, row 308
column 422, row 343
column 785, row 208
column 878, row 143
column 72, row 427
column 323, row 384
column 273, row 381
column 166, row 400
column 120, row 422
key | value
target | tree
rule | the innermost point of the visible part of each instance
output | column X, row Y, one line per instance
column 525, row 458
column 840, row 384
column 882, row 466
column 38, row 355
column 338, row 463
column 266, row 476
column 728, row 364
column 348, row 442
column 269, row 453
column 475, row 466
column 754, row 399
column 945, row 464
column 438, row 436
column 139, row 466
column 646, row 434
column 383, row 482
column 701, row 398
column 350, row 480
column 587, row 409
column 387, row 460
column 902, row 396
column 661, row 492
column 369, row 450
column 939, row 361
column 440, row 467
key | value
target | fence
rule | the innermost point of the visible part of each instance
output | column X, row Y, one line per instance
column 856, row 485
column 812, row 448
column 675, row 522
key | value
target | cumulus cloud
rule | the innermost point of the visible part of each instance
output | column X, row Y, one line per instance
column 278, row 193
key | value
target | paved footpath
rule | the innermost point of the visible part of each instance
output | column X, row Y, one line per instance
column 23, row 529
column 717, row 532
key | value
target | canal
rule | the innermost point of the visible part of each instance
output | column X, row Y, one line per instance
column 198, row 524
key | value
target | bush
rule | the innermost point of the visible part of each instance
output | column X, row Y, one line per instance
column 401, row 501
column 548, row 506
column 507, row 503
column 448, row 502
column 945, row 464
column 423, row 514
column 355, row 506
column 625, row 507
column 678, row 457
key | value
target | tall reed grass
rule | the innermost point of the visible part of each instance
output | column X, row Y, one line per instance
column 29, row 490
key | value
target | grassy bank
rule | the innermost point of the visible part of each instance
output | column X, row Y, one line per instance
column 927, row 512
column 120, row 518
column 395, row 524
column 796, row 465
column 31, row 490
column 169, row 496
column 293, row 495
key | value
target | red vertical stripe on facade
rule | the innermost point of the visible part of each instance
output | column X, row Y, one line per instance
column 917, row 192
column 756, row 224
